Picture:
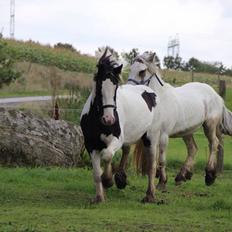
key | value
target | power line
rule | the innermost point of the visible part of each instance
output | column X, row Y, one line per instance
column 12, row 18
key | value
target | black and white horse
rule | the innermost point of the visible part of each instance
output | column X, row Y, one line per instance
column 116, row 115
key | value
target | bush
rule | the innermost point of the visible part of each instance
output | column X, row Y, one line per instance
column 7, row 73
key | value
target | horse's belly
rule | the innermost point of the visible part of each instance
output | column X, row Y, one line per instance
column 188, row 121
column 187, row 131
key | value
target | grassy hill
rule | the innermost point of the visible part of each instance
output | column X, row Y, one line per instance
column 46, row 55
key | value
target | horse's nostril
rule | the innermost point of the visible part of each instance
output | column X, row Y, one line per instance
column 103, row 120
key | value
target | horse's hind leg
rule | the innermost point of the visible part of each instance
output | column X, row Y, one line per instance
column 185, row 172
column 210, row 128
column 150, row 147
column 162, row 163
column 220, row 150
column 120, row 176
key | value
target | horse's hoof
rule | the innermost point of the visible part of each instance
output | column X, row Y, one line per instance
column 188, row 175
column 120, row 179
column 210, row 176
column 106, row 181
column 180, row 179
column 96, row 200
column 161, row 187
column 148, row 199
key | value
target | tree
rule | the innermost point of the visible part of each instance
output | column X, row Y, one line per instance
column 178, row 63
column 66, row 46
column 130, row 56
column 7, row 73
column 169, row 62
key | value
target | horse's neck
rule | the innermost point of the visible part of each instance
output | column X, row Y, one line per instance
column 157, row 85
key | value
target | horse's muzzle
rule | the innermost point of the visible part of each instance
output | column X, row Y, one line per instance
column 108, row 120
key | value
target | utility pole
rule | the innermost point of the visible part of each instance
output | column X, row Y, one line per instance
column 174, row 46
column 12, row 18
column 1, row 33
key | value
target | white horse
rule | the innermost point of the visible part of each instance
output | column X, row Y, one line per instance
column 183, row 110
column 115, row 115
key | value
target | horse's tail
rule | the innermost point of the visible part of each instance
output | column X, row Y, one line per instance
column 227, row 122
column 139, row 158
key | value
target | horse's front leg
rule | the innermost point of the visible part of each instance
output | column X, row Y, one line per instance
column 107, row 176
column 120, row 176
column 185, row 172
column 97, row 172
column 107, row 154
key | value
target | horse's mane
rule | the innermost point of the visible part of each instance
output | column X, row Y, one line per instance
column 107, row 65
column 149, row 60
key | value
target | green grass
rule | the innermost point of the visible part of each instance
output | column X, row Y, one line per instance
column 55, row 199
column 58, row 200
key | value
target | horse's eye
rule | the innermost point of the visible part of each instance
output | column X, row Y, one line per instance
column 142, row 73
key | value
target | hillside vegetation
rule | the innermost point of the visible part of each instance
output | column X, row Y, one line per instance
column 46, row 55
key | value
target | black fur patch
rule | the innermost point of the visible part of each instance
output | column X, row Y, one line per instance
column 150, row 99
column 92, row 128
column 146, row 140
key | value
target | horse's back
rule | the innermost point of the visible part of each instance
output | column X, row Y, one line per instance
column 202, row 95
column 195, row 103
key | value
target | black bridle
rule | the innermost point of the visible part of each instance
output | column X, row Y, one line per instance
column 146, row 82
column 109, row 106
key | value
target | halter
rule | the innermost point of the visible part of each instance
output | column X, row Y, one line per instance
column 146, row 82
column 109, row 106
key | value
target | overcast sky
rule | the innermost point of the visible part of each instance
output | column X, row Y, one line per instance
column 204, row 26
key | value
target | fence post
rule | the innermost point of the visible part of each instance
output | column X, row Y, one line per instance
column 222, row 88
column 220, row 153
column 192, row 75
column 56, row 113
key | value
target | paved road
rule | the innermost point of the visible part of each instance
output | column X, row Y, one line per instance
column 18, row 100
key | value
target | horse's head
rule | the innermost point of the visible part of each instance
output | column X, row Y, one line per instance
column 107, row 80
column 143, row 69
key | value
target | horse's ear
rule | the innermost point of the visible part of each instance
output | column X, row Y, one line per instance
column 151, row 57
column 118, row 69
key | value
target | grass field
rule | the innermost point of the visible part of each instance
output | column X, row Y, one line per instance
column 53, row 199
